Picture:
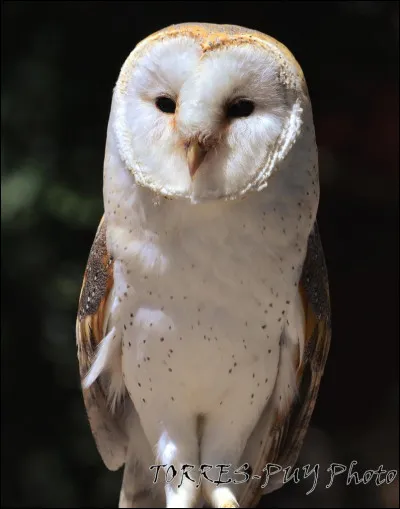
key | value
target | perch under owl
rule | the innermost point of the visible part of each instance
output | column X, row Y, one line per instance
column 204, row 317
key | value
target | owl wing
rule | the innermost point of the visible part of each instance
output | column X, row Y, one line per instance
column 91, row 328
column 286, row 432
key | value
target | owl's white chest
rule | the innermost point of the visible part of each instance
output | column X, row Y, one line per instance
column 193, row 340
column 203, row 306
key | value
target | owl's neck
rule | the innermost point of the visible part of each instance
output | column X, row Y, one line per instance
column 143, row 229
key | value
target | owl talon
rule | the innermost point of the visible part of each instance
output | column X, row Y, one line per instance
column 223, row 497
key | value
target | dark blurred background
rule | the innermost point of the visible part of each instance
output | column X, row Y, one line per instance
column 60, row 61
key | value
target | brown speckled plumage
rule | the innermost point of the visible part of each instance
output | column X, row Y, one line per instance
column 98, row 275
column 315, row 277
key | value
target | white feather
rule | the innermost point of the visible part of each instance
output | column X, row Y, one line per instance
column 104, row 355
column 108, row 359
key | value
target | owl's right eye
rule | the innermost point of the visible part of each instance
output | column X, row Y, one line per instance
column 165, row 104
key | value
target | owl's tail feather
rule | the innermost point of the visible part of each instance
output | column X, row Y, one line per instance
column 108, row 359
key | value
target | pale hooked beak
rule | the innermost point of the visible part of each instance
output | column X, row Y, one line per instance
column 195, row 156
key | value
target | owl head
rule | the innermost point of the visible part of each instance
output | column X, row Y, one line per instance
column 207, row 112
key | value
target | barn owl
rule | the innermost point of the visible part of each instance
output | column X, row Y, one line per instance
column 203, row 326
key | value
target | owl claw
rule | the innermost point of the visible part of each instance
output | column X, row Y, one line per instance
column 230, row 503
column 224, row 498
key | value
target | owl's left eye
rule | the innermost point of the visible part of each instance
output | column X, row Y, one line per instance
column 165, row 104
column 240, row 108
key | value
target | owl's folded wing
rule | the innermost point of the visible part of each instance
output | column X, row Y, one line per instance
column 91, row 328
column 314, row 291
column 286, row 432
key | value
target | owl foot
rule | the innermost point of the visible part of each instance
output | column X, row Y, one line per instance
column 223, row 497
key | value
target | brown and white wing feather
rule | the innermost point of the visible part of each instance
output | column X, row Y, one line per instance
column 91, row 328
column 286, row 432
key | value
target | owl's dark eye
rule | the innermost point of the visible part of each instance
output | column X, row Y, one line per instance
column 165, row 104
column 240, row 108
